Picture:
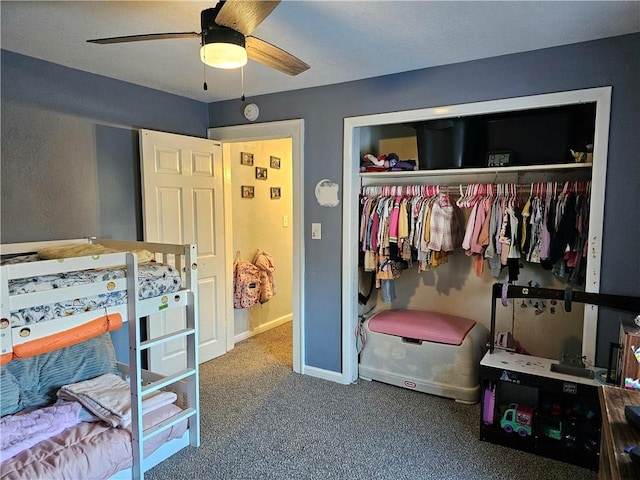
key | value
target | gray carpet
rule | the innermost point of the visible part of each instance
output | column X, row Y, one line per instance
column 262, row 421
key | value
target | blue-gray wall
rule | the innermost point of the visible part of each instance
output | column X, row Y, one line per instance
column 614, row 61
column 70, row 163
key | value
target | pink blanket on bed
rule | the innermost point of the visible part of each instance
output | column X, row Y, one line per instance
column 88, row 450
column 20, row 432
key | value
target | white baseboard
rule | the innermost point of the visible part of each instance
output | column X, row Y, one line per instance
column 336, row 377
column 263, row 328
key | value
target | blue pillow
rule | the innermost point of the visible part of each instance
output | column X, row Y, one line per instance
column 33, row 382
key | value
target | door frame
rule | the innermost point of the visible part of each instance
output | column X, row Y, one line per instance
column 293, row 129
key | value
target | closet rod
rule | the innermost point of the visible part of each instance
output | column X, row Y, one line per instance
column 456, row 188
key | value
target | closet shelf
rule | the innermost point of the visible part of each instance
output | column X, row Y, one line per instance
column 513, row 174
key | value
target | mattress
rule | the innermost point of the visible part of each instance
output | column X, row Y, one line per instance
column 154, row 279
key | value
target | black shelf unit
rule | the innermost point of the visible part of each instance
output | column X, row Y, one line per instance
column 574, row 407
column 566, row 422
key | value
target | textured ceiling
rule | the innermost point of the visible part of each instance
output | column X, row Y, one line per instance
column 342, row 41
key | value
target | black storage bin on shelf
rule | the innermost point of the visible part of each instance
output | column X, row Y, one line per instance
column 533, row 138
column 446, row 143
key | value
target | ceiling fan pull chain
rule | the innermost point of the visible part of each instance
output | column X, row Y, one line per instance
column 242, row 82
column 204, row 74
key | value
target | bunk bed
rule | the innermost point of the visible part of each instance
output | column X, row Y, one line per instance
column 54, row 337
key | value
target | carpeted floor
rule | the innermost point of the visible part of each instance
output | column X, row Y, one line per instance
column 262, row 421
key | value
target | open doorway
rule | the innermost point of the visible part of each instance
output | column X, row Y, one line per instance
column 232, row 138
column 262, row 218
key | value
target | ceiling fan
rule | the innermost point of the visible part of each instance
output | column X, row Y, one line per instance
column 226, row 40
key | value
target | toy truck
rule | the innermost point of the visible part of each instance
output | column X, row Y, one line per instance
column 517, row 418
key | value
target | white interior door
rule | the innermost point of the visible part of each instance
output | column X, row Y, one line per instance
column 182, row 193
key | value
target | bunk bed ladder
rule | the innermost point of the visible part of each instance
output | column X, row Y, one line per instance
column 188, row 376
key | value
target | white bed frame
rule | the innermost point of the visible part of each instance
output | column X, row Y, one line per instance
column 143, row 382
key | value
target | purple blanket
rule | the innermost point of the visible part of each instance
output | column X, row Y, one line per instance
column 19, row 432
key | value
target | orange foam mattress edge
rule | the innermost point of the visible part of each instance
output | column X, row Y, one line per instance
column 66, row 338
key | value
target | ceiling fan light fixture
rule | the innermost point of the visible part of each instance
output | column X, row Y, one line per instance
column 223, row 48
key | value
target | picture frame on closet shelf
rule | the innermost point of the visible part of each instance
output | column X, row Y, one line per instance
column 275, row 193
column 247, row 191
column 274, row 162
column 246, row 158
column 261, row 173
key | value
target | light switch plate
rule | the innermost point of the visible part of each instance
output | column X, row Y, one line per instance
column 316, row 231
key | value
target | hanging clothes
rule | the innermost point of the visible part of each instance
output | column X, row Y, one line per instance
column 420, row 225
column 264, row 262
column 569, row 235
column 400, row 226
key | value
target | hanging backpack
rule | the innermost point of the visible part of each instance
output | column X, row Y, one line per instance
column 246, row 283
column 264, row 263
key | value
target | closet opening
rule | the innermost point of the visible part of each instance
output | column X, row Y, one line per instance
column 550, row 146
column 446, row 270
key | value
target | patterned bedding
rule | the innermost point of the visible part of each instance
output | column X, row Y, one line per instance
column 154, row 279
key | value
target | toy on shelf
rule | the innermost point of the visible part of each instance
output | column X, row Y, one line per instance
column 572, row 365
column 517, row 418
column 552, row 430
column 506, row 341
column 489, row 403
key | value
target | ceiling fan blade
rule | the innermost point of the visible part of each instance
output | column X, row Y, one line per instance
column 141, row 38
column 244, row 16
column 274, row 57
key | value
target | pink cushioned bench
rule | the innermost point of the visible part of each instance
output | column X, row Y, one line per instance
column 426, row 351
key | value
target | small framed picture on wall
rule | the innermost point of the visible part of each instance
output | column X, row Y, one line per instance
column 246, row 158
column 261, row 173
column 275, row 193
column 247, row 191
column 275, row 162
